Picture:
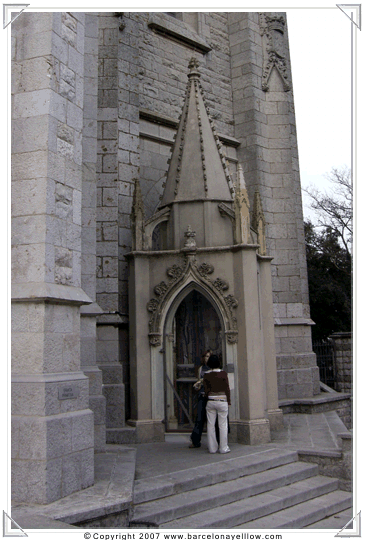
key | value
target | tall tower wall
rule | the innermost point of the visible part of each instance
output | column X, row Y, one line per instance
column 265, row 126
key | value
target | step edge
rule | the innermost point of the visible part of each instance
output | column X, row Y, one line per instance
column 222, row 523
column 182, row 484
column 267, row 485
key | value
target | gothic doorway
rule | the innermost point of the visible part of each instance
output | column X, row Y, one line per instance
column 196, row 327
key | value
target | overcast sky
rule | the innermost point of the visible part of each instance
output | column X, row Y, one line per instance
column 320, row 49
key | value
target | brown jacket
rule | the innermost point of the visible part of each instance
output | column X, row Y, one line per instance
column 215, row 382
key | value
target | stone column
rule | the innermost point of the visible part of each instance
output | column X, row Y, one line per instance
column 141, row 354
column 253, row 426
column 107, row 282
column 88, row 235
column 274, row 414
column 52, row 426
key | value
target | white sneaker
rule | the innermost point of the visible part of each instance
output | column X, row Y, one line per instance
column 225, row 451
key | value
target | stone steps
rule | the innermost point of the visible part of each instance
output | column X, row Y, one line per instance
column 306, row 513
column 267, row 489
column 149, row 489
column 202, row 499
column 233, row 514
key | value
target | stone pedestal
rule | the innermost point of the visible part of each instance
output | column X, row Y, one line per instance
column 88, row 364
column 253, row 432
column 148, row 430
column 52, row 427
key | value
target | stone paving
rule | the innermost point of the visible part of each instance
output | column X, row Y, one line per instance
column 301, row 431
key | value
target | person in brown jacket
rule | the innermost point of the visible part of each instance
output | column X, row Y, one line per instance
column 217, row 391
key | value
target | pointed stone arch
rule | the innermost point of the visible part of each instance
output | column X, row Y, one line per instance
column 190, row 274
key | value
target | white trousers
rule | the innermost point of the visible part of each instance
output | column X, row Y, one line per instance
column 213, row 409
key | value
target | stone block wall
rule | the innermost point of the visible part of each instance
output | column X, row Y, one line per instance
column 343, row 363
column 52, row 426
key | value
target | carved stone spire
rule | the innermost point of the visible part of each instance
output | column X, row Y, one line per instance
column 258, row 223
column 137, row 218
column 198, row 169
column 241, row 210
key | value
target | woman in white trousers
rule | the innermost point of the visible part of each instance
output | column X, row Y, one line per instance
column 217, row 390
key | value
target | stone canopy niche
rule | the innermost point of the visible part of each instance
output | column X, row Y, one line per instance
column 206, row 247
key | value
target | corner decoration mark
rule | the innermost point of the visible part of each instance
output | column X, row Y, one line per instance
column 6, row 532
column 352, row 8
column 9, row 8
column 344, row 533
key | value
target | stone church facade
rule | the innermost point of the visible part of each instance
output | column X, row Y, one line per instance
column 97, row 127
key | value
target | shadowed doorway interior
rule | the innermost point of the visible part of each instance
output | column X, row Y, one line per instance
column 196, row 328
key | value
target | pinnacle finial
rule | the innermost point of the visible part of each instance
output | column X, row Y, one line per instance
column 240, row 178
column 193, row 64
column 194, row 67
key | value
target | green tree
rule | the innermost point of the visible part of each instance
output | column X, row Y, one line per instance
column 329, row 278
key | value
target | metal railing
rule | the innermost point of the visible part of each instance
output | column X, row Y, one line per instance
column 325, row 351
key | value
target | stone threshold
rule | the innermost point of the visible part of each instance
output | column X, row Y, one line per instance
column 106, row 504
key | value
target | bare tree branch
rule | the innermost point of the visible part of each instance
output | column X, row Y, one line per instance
column 334, row 209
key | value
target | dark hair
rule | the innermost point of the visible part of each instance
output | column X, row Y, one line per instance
column 204, row 355
column 213, row 362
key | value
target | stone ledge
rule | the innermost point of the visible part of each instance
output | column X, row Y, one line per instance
column 177, row 30
column 112, row 319
column 91, row 310
column 49, row 292
column 110, row 496
column 315, row 404
column 321, row 453
column 293, row 321
column 167, row 121
column 315, row 399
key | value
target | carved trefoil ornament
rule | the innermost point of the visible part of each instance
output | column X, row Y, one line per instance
column 180, row 273
column 273, row 28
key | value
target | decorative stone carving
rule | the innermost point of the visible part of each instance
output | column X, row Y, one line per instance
column 180, row 273
column 175, row 271
column 152, row 305
column 226, row 211
column 220, row 284
column 272, row 29
column 232, row 337
column 161, row 288
column 190, row 238
column 155, row 339
column 231, row 301
column 205, row 269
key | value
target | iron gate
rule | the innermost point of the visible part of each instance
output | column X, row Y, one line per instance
column 325, row 351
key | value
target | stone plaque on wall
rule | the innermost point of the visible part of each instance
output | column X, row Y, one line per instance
column 71, row 391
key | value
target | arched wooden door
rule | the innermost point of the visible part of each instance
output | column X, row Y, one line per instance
column 196, row 328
